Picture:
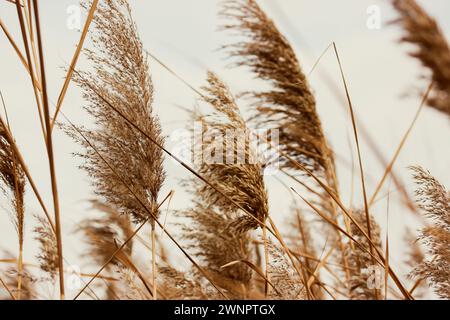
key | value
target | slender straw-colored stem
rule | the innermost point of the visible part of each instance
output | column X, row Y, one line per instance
column 30, row 66
column 27, row 173
column 266, row 261
column 29, row 20
column 154, row 266
column 400, row 146
column 19, row 215
column 75, row 57
column 18, row 52
column 50, row 152
column 7, row 289
column 20, row 272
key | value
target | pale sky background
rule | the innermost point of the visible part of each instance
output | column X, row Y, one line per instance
column 383, row 84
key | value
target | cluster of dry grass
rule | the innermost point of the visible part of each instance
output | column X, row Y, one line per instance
column 234, row 247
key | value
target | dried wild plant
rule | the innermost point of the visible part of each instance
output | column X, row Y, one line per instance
column 209, row 236
column 234, row 166
column 290, row 105
column 121, row 79
column 415, row 256
column 125, row 165
column 301, row 240
column 27, row 289
column 218, row 232
column 177, row 286
column 434, row 200
column 283, row 276
column 12, row 179
column 133, row 288
column 105, row 233
column 360, row 261
column 48, row 255
column 433, row 50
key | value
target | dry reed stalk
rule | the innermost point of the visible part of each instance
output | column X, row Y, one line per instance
column 434, row 200
column 18, row 52
column 283, row 277
column 12, row 1
column 433, row 50
column 127, row 261
column 415, row 257
column 361, row 261
column 134, row 289
column 209, row 236
column 378, row 256
column 151, row 214
column 296, row 264
column 29, row 23
column 391, row 163
column 102, row 233
column 229, row 158
column 13, row 182
column 22, row 164
column 302, row 240
column 360, row 163
column 226, row 157
column 31, row 61
column 74, row 61
column 48, row 256
column 122, row 77
column 290, row 106
column 49, row 145
column 200, row 269
column 178, row 285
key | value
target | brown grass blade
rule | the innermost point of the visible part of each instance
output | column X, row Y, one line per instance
column 321, row 263
column 356, row 136
column 400, row 146
column 74, row 61
column 18, row 52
